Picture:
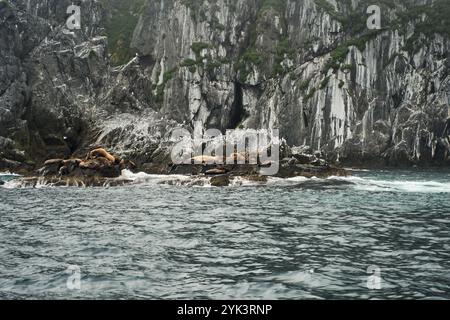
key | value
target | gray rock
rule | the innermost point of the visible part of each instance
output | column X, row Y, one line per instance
column 220, row 181
column 225, row 64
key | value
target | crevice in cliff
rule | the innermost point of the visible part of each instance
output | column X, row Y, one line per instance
column 237, row 112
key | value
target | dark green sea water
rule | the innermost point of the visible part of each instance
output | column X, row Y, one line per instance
column 295, row 239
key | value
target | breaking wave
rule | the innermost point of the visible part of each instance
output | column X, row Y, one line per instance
column 176, row 180
column 401, row 186
column 358, row 183
column 7, row 179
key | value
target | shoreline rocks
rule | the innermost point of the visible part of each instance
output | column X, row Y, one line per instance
column 220, row 181
column 98, row 168
column 101, row 168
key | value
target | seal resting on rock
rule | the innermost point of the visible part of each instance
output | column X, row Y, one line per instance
column 96, row 163
column 216, row 171
column 236, row 157
column 101, row 153
column 206, row 159
column 101, row 166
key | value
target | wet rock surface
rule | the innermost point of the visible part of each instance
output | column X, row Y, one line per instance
column 220, row 181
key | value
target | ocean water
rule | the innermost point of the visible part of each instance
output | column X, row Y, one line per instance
column 375, row 235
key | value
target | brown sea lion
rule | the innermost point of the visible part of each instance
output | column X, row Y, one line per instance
column 216, row 171
column 96, row 164
column 74, row 162
column 101, row 153
column 206, row 159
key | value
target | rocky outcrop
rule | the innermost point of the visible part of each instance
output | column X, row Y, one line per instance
column 310, row 68
column 97, row 163
column 50, row 79
column 98, row 168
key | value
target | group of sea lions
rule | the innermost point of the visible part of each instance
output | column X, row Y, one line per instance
column 236, row 157
column 97, row 162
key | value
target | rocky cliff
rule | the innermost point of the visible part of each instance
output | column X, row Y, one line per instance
column 311, row 68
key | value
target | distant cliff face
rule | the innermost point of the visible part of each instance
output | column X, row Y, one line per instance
column 49, row 80
column 311, row 68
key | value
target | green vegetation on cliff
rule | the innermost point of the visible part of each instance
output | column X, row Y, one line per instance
column 121, row 21
column 429, row 20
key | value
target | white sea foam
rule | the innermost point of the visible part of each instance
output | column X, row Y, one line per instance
column 8, row 174
column 354, row 182
column 406, row 186
column 10, row 180
column 357, row 170
column 243, row 182
column 142, row 177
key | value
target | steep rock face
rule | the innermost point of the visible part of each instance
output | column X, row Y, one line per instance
column 50, row 79
column 59, row 93
column 194, row 47
column 308, row 67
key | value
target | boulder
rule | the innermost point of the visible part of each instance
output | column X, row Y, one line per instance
column 220, row 181
column 9, row 164
column 51, row 167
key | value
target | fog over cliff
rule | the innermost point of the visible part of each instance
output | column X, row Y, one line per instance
column 311, row 68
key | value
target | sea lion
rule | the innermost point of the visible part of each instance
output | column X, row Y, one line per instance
column 236, row 157
column 96, row 164
column 206, row 159
column 74, row 162
column 216, row 171
column 100, row 153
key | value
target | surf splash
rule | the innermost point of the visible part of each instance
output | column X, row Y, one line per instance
column 399, row 186
column 369, row 183
column 7, row 177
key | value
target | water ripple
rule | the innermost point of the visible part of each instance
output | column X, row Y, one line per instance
column 292, row 239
